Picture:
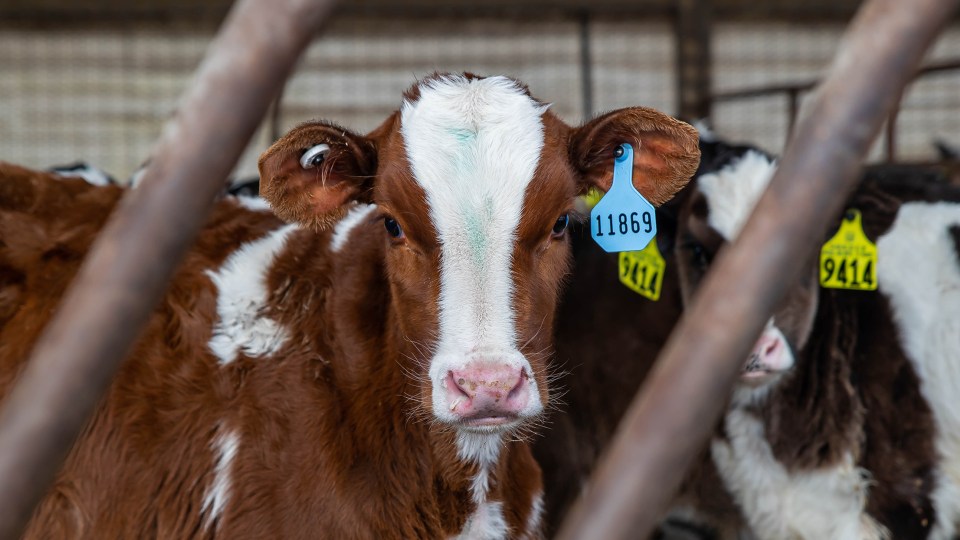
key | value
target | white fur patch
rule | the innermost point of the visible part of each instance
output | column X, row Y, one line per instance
column 257, row 204
column 734, row 190
column 242, row 296
column 810, row 505
column 218, row 494
column 90, row 174
column 473, row 146
column 918, row 271
column 535, row 518
column 485, row 523
column 704, row 131
column 341, row 232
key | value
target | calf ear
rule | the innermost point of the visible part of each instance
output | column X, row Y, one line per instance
column 665, row 151
column 313, row 173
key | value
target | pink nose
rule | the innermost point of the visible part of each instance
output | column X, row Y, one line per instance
column 487, row 393
column 769, row 355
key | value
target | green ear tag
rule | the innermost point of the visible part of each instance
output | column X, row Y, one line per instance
column 642, row 271
column 849, row 259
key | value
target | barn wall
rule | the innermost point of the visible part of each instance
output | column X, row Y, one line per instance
column 102, row 95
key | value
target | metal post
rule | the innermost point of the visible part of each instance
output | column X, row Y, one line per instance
column 130, row 264
column 681, row 401
column 793, row 109
column 692, row 33
column 891, row 135
column 586, row 67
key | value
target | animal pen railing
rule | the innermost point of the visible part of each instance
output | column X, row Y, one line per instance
column 671, row 417
column 793, row 92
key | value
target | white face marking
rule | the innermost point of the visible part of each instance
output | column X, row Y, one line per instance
column 917, row 270
column 241, row 297
column 473, row 146
column 821, row 503
column 341, row 232
column 734, row 190
column 218, row 494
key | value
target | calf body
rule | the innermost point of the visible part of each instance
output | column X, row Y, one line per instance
column 366, row 370
column 834, row 431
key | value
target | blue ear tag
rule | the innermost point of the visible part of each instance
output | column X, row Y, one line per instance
column 623, row 220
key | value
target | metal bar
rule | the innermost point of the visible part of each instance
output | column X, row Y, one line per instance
column 802, row 86
column 692, row 39
column 891, row 135
column 276, row 114
column 586, row 67
column 793, row 105
column 679, row 405
column 130, row 264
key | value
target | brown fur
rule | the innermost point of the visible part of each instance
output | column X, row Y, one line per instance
column 335, row 433
column 852, row 390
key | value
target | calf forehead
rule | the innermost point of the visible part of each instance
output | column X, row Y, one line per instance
column 473, row 146
column 734, row 189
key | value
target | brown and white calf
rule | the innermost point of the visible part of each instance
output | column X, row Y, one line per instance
column 845, row 422
column 368, row 370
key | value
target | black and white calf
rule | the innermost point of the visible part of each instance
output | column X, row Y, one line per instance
column 845, row 422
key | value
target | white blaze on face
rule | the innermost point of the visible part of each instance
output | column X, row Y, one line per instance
column 734, row 190
column 473, row 146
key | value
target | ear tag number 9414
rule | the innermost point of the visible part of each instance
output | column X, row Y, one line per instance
column 849, row 259
column 623, row 220
column 642, row 271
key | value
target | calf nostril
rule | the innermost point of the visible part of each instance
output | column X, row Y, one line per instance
column 458, row 385
column 519, row 387
column 771, row 348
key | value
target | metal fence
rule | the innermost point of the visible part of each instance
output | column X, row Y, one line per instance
column 101, row 95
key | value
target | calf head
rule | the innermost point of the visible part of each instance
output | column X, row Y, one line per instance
column 474, row 182
column 728, row 185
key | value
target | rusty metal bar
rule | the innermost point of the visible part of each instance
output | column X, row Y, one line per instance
column 681, row 401
column 130, row 264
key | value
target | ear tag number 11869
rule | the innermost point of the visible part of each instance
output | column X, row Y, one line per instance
column 849, row 259
column 623, row 220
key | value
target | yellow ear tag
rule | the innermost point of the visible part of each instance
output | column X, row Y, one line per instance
column 642, row 271
column 592, row 197
column 849, row 259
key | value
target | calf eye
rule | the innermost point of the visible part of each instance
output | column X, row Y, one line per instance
column 561, row 225
column 392, row 227
column 314, row 156
column 700, row 256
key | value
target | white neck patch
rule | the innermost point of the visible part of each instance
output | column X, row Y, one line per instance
column 473, row 146
column 734, row 190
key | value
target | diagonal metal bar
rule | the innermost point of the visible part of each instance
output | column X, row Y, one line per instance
column 681, row 401
column 129, row 266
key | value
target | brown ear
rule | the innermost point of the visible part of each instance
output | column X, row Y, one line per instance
column 317, row 192
column 665, row 151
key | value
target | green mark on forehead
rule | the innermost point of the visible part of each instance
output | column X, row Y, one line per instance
column 462, row 136
column 475, row 226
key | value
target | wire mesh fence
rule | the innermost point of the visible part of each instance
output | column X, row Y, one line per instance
column 101, row 96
